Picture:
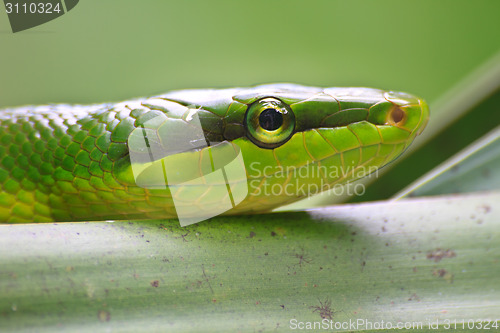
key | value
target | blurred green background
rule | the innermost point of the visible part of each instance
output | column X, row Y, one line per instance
column 114, row 50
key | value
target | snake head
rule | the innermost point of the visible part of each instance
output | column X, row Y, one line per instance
column 297, row 141
column 322, row 137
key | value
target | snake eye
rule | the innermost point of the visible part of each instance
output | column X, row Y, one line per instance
column 270, row 122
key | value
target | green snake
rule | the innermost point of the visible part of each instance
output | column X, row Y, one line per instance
column 74, row 162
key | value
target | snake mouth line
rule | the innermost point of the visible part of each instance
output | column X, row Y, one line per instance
column 290, row 169
column 345, row 176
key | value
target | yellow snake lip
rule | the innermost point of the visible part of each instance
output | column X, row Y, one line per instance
column 425, row 115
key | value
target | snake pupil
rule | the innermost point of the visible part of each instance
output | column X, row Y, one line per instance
column 270, row 119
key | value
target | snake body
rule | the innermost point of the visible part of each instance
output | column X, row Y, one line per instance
column 73, row 162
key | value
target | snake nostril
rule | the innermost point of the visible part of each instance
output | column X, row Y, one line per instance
column 397, row 115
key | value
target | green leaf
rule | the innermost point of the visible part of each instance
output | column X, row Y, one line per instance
column 476, row 168
column 416, row 260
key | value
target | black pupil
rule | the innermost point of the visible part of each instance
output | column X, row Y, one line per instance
column 270, row 119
